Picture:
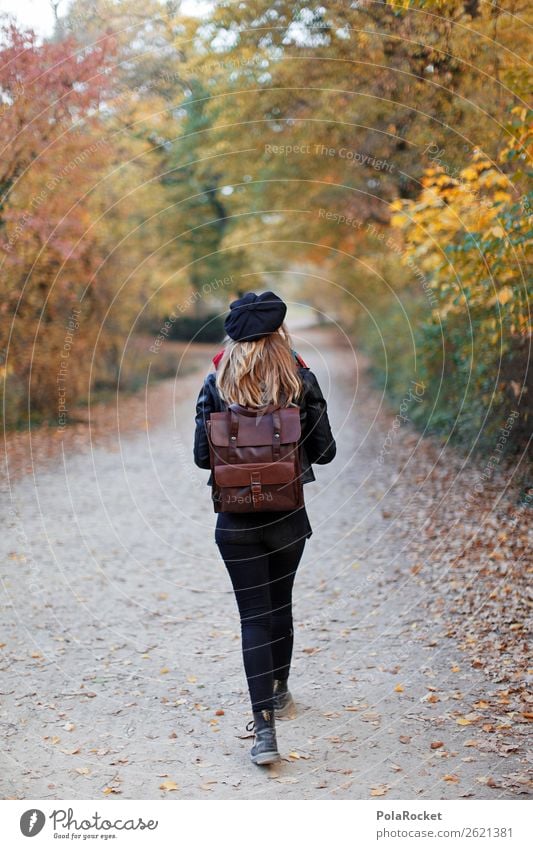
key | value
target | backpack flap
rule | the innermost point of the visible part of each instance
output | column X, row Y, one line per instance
column 256, row 429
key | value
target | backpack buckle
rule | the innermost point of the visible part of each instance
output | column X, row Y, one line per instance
column 255, row 486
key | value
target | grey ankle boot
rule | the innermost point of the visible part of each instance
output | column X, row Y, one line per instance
column 283, row 701
column 265, row 748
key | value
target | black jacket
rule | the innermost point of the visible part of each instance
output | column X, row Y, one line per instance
column 318, row 445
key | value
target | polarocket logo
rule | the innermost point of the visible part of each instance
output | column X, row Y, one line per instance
column 32, row 822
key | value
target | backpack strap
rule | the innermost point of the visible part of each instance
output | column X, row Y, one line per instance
column 233, row 435
column 276, row 435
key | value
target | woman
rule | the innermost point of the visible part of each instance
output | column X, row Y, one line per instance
column 262, row 550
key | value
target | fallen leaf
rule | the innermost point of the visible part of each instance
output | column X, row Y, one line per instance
column 488, row 781
column 379, row 790
column 438, row 744
column 398, row 688
column 450, row 777
column 370, row 716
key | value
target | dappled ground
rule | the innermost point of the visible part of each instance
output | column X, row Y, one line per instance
column 121, row 669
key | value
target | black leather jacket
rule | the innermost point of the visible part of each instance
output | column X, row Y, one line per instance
column 317, row 443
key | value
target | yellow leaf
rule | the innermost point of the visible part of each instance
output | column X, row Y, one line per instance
column 463, row 721
column 469, row 173
column 505, row 294
column 164, row 671
column 501, row 196
column 398, row 688
column 398, row 220
column 168, row 786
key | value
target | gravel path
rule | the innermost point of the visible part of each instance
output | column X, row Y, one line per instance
column 122, row 670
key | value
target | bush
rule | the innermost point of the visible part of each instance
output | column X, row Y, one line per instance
column 189, row 328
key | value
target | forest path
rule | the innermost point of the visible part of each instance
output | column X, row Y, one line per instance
column 122, row 665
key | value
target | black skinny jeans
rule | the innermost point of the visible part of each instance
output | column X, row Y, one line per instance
column 262, row 578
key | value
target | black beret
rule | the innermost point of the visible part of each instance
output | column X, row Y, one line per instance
column 254, row 316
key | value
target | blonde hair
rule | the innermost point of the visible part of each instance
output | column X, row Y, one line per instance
column 258, row 373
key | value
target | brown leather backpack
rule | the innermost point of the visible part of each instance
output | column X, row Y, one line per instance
column 255, row 459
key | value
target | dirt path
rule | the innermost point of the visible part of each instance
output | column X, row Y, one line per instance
column 121, row 663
